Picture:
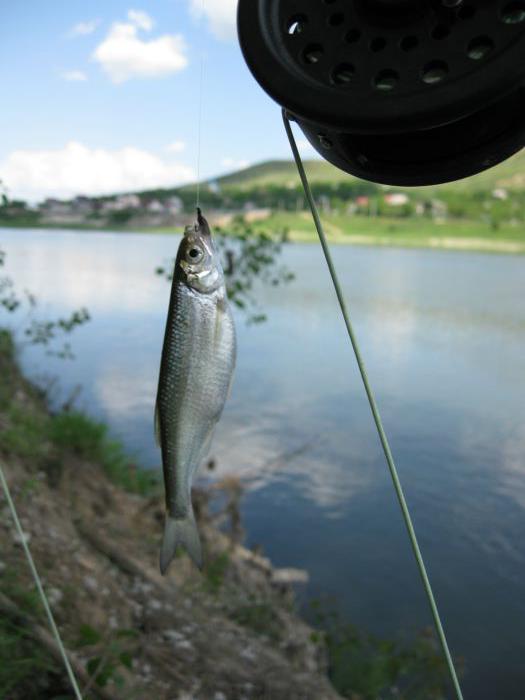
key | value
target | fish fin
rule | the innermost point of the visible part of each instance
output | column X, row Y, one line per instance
column 157, row 424
column 181, row 531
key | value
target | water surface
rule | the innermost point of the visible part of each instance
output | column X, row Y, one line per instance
column 443, row 336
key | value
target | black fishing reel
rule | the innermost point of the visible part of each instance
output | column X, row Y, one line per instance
column 402, row 92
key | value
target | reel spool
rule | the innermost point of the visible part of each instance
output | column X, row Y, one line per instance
column 400, row 92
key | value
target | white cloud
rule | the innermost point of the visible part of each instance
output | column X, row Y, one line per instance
column 123, row 55
column 74, row 76
column 176, row 147
column 83, row 28
column 78, row 169
column 221, row 16
column 305, row 147
column 233, row 164
column 141, row 20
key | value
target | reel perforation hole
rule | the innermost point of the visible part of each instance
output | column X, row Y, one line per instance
column 297, row 24
column 391, row 79
column 513, row 13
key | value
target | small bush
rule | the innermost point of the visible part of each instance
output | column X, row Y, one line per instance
column 365, row 666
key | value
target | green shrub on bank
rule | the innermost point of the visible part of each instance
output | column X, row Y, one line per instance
column 32, row 433
column 365, row 667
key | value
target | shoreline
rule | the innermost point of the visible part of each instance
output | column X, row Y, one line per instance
column 443, row 243
column 238, row 619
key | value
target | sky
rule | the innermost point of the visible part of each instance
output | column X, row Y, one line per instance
column 103, row 96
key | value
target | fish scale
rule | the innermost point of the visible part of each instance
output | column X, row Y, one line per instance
column 197, row 364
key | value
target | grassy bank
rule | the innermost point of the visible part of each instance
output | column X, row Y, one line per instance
column 94, row 521
column 450, row 234
column 401, row 232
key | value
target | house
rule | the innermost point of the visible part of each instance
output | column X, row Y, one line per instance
column 174, row 205
column 438, row 210
column 128, row 201
column 396, row 199
column 55, row 207
column 83, row 205
column 155, row 207
column 362, row 201
column 122, row 202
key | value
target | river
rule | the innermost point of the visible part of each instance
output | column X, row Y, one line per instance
column 443, row 336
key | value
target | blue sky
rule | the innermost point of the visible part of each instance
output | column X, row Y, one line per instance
column 104, row 96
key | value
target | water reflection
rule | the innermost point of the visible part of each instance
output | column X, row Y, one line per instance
column 443, row 335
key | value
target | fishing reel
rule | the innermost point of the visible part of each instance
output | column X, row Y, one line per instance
column 401, row 92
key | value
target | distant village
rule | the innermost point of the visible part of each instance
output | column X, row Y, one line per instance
column 118, row 209
column 165, row 208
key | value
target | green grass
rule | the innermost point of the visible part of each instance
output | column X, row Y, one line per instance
column 27, row 434
column 407, row 232
column 46, row 440
column 22, row 660
column 31, row 433
column 89, row 440
column 260, row 617
column 215, row 571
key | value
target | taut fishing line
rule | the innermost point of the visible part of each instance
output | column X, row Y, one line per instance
column 39, row 585
column 375, row 411
column 199, row 120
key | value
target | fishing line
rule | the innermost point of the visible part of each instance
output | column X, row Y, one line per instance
column 375, row 411
column 199, row 121
column 39, row 585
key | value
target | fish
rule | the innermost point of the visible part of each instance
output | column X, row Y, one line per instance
column 195, row 378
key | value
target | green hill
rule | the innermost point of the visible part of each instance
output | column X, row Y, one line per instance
column 281, row 172
column 510, row 174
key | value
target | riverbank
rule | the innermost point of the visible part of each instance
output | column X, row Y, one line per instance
column 449, row 234
column 94, row 523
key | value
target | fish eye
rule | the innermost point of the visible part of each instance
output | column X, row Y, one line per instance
column 194, row 254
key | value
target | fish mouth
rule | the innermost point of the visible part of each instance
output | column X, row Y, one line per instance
column 207, row 280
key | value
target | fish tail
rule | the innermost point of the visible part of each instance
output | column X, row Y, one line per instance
column 180, row 531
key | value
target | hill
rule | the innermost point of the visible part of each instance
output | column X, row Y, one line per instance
column 510, row 174
column 281, row 172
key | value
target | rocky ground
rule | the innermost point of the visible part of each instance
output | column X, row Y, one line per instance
column 229, row 632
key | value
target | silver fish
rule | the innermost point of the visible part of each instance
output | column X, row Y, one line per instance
column 196, row 372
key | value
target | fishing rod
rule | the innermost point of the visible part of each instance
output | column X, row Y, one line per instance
column 397, row 92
